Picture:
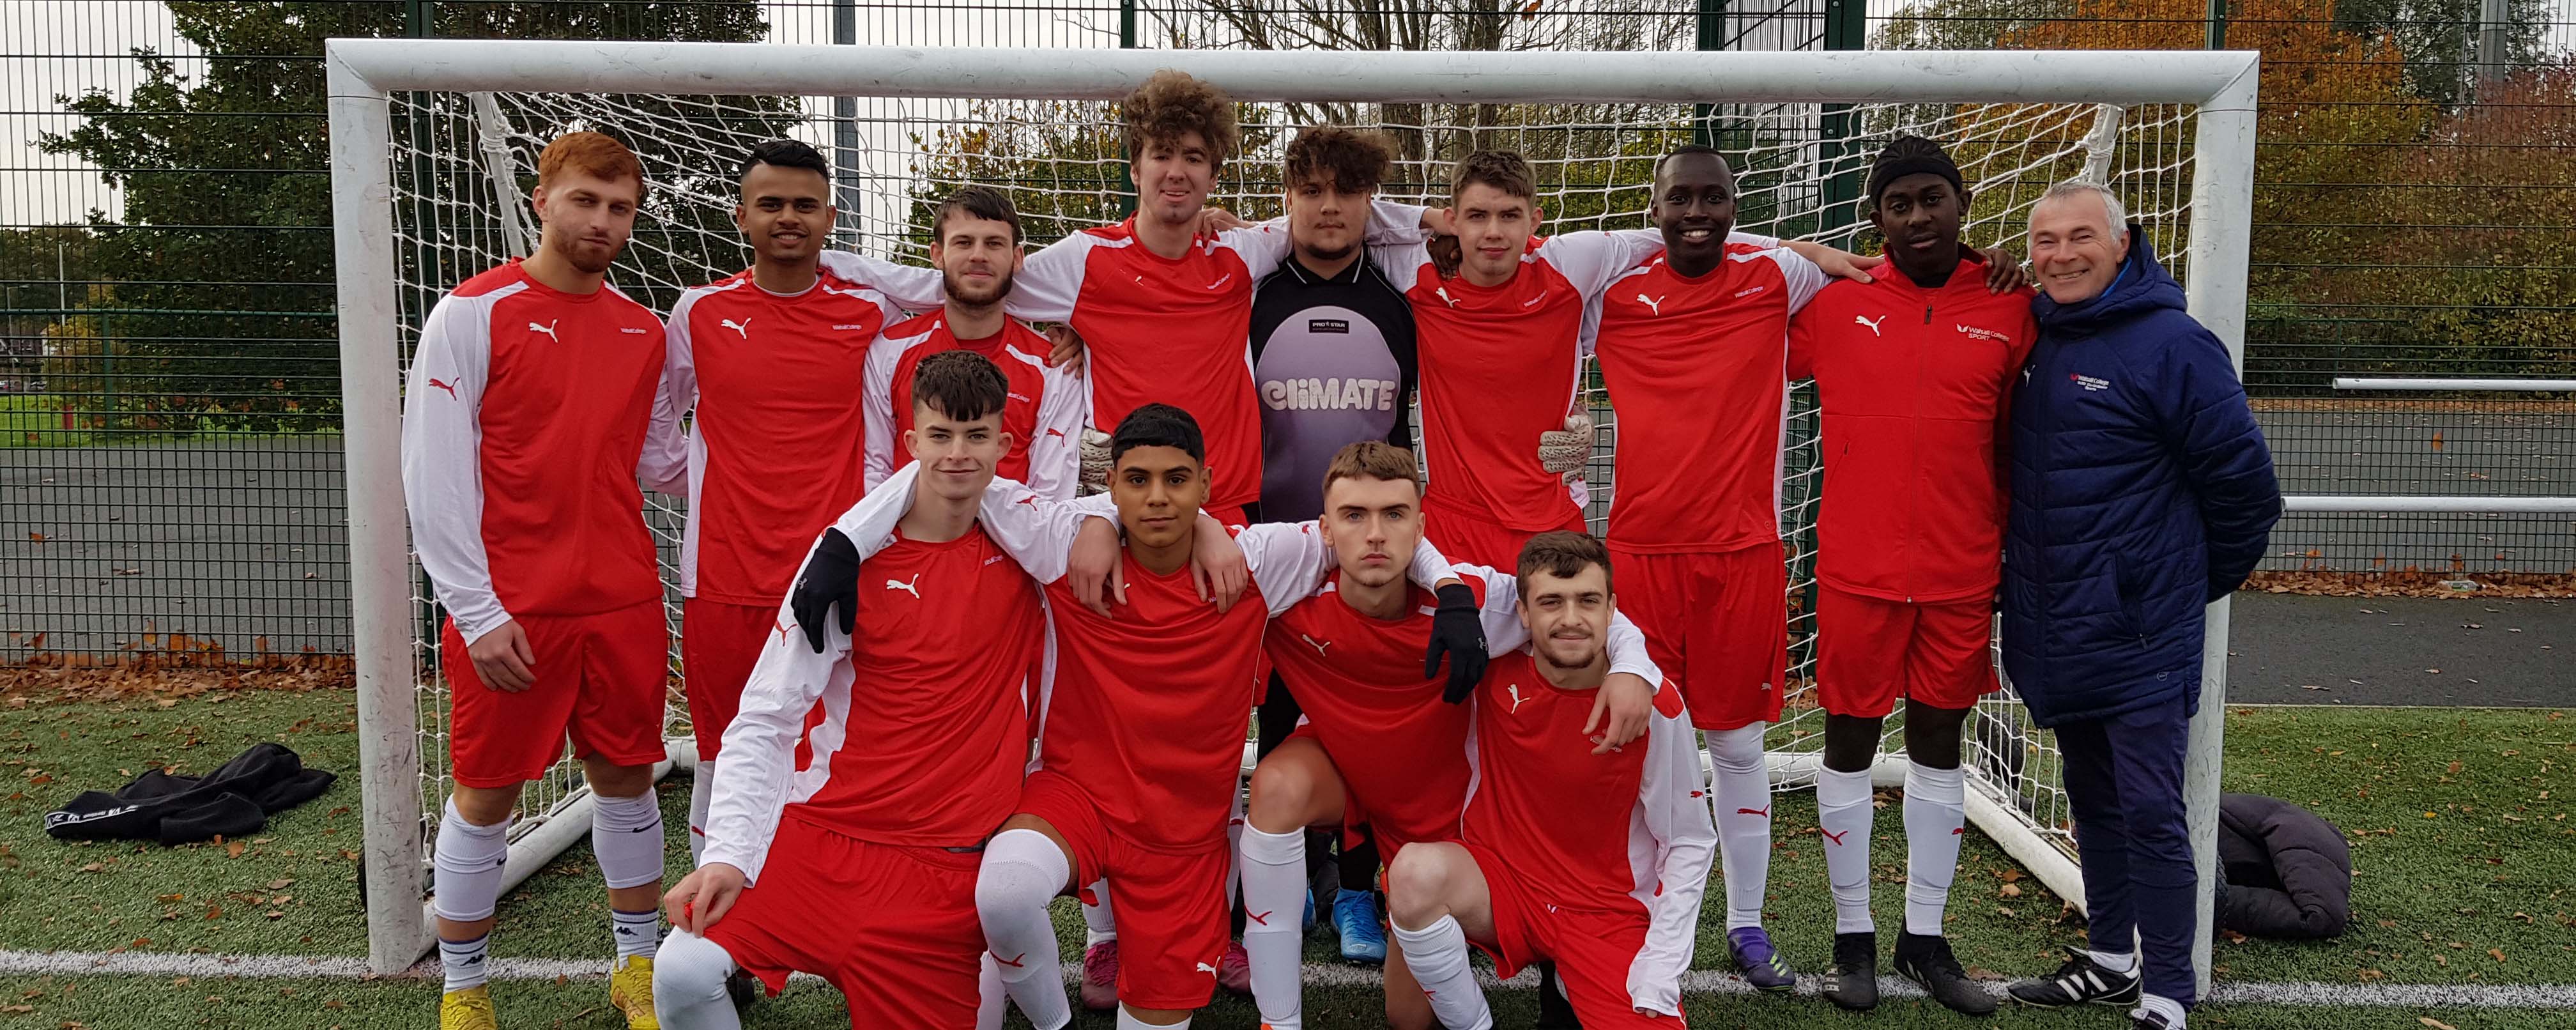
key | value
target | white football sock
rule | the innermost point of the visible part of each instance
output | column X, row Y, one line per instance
column 1742, row 804
column 1273, row 867
column 468, row 863
column 1437, row 955
column 689, row 984
column 990, row 1003
column 702, row 792
column 1844, row 811
column 1128, row 1022
column 2124, row 963
column 1099, row 923
column 462, row 961
column 2171, row 1009
column 1022, row 871
column 636, row 933
column 626, row 836
column 1935, row 815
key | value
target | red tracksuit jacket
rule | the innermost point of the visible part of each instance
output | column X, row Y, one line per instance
column 1915, row 386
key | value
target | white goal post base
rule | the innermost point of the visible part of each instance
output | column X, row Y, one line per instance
column 2212, row 217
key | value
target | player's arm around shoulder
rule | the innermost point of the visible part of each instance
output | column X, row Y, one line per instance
column 1672, row 802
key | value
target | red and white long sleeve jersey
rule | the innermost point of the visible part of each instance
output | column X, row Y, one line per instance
column 1171, row 330
column 1044, row 412
column 1358, row 678
column 1697, row 372
column 1545, row 804
column 1916, row 387
column 926, row 728
column 526, row 425
column 777, row 381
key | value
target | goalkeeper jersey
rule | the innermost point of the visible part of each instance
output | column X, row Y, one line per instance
column 1696, row 369
column 1043, row 411
column 1916, row 387
column 776, row 381
column 528, row 418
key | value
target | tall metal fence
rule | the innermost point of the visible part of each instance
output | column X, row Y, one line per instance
column 170, row 475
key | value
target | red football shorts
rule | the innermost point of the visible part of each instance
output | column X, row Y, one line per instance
column 1170, row 908
column 1592, row 949
column 893, row 927
column 1467, row 538
column 600, row 678
column 1718, row 624
column 719, row 643
column 1871, row 651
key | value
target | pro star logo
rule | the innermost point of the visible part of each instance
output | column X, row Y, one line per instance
column 1533, row 302
column 1980, row 333
column 1221, row 281
column 548, row 329
column 1515, row 692
column 988, row 560
column 912, row 587
column 846, row 327
column 1872, row 323
column 1654, row 304
column 449, row 387
column 1318, row 645
column 630, row 330
column 1020, row 397
column 1749, row 291
column 741, row 329
column 2089, row 383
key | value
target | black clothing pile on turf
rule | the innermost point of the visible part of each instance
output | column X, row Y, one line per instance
column 234, row 800
column 2288, row 871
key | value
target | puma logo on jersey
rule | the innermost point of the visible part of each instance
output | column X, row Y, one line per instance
column 912, row 587
column 548, row 329
column 741, row 328
column 1206, row 968
column 1837, row 838
column 1654, row 304
column 1318, row 645
column 449, row 387
column 1515, row 692
column 1871, row 323
column 1221, row 280
column 1764, row 811
column 1445, row 298
column 1057, row 433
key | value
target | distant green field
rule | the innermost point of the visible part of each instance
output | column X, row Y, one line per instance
column 37, row 420
column 2458, row 820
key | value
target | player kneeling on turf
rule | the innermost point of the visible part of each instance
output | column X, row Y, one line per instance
column 1542, row 868
column 854, row 857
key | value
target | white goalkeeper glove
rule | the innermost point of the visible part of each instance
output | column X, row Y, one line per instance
column 1095, row 463
column 1566, row 451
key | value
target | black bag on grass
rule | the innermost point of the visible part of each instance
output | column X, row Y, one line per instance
column 234, row 800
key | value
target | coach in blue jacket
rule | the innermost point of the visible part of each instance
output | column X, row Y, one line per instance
column 2141, row 492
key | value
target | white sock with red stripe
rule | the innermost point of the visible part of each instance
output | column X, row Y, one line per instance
column 1741, row 800
column 1935, row 818
column 1022, row 871
column 1844, row 812
column 702, row 791
column 1098, row 923
column 1437, row 955
column 1273, row 867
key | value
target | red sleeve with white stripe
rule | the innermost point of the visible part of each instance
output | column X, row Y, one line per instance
column 1055, row 456
column 1048, row 285
column 913, row 287
column 1036, row 532
column 760, row 743
column 1290, row 560
column 1672, row 803
column 442, row 461
column 876, row 409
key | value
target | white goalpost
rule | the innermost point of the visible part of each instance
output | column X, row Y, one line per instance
column 433, row 145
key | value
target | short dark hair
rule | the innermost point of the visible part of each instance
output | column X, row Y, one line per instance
column 977, row 202
column 960, row 384
column 1903, row 156
column 785, row 153
column 1354, row 162
column 1501, row 169
column 1562, row 553
column 1158, row 425
column 1692, row 148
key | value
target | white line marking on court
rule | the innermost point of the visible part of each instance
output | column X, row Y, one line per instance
column 2381, row 995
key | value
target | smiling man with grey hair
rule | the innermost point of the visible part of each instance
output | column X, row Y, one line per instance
column 2141, row 492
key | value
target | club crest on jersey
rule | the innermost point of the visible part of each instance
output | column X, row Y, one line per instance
column 1654, row 304
column 1872, row 323
column 548, row 329
column 447, row 386
column 1979, row 333
column 913, row 587
column 741, row 329
column 2089, row 383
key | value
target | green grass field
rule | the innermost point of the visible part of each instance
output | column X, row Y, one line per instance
column 36, row 420
column 2457, row 817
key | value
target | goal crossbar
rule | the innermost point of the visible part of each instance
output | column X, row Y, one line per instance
column 364, row 74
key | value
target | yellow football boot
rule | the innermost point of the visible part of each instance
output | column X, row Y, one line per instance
column 467, row 1009
column 630, row 989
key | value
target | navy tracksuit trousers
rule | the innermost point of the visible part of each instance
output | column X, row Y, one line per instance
column 2124, row 787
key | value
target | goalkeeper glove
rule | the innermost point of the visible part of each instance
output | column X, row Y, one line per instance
column 1457, row 632
column 1565, row 451
column 831, row 577
column 1095, row 462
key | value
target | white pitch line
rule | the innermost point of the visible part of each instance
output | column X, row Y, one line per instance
column 1316, row 974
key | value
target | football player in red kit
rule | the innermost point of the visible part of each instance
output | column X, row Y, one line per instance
column 860, row 866
column 536, row 400
column 1542, row 868
column 1915, row 374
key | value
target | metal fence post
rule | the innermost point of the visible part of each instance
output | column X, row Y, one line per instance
column 1846, row 28
column 1710, row 35
column 2217, row 37
column 1126, row 169
column 845, row 133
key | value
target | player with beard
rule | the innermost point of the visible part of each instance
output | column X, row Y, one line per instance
column 770, row 359
column 975, row 242
column 1693, row 347
column 536, row 400
column 1915, row 374
column 1542, row 868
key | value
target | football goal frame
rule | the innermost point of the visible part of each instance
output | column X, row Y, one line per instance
column 365, row 75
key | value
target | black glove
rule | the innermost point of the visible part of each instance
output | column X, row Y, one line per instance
column 831, row 577
column 1457, row 632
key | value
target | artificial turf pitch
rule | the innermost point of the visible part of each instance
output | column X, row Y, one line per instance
column 2458, row 821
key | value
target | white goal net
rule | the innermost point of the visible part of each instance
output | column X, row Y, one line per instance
column 459, row 159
